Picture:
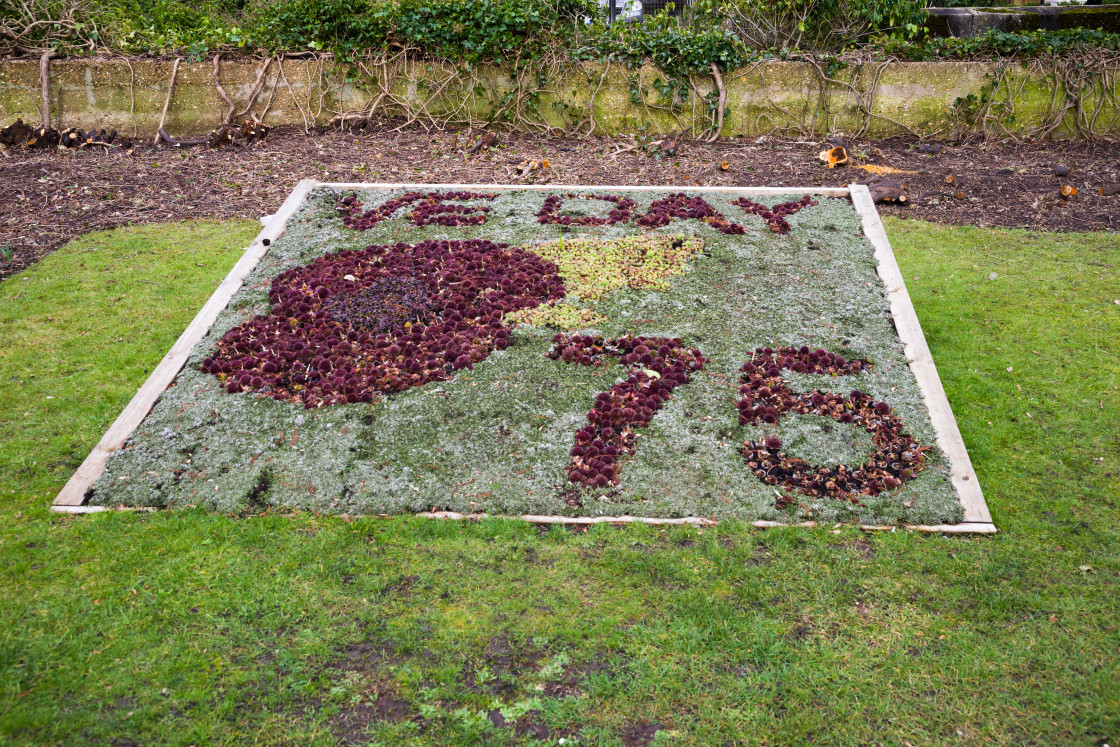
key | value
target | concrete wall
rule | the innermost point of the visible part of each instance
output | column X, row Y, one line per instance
column 908, row 96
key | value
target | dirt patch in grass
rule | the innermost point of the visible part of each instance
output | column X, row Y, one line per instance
column 361, row 692
column 568, row 686
column 636, row 735
column 351, row 723
column 401, row 587
column 48, row 198
column 502, row 663
column 367, row 656
column 533, row 725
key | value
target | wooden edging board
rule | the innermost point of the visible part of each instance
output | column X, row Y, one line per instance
column 976, row 515
column 74, row 492
column 977, row 519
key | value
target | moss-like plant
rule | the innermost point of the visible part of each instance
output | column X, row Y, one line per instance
column 592, row 269
column 595, row 268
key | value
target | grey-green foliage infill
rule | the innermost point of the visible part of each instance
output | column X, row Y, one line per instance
column 497, row 439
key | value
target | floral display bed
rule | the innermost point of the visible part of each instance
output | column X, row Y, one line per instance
column 552, row 352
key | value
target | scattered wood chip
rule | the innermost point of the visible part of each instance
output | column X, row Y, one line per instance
column 527, row 167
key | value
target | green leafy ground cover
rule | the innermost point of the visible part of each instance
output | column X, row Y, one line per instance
column 727, row 33
column 185, row 627
column 496, row 439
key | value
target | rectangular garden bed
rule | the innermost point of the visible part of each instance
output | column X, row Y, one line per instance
column 559, row 353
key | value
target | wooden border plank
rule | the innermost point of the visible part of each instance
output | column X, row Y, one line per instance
column 921, row 363
column 74, row 492
column 962, row 528
column 761, row 191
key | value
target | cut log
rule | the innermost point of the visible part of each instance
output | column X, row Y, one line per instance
column 1108, row 191
column 71, row 137
column 253, row 131
column 43, row 137
column 17, row 133
column 889, row 191
column 99, row 139
column 178, row 143
column 224, row 135
column 221, row 136
column 1060, row 170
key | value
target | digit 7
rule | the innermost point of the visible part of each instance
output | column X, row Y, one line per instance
column 657, row 365
column 897, row 457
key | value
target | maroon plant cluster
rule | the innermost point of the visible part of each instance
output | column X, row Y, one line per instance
column 658, row 365
column 430, row 210
column 679, row 205
column 765, row 397
column 550, row 211
column 775, row 216
column 382, row 319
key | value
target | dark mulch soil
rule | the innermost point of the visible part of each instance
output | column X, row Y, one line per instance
column 48, row 198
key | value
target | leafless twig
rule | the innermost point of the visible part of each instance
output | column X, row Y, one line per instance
column 167, row 101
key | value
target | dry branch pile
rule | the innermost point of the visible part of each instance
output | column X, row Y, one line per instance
column 246, row 135
column 20, row 134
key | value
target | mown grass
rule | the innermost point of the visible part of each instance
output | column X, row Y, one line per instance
column 190, row 628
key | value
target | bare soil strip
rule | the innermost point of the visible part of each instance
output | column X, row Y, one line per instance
column 48, row 198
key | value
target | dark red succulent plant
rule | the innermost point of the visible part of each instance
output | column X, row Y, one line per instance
column 680, row 206
column 765, row 398
column 550, row 211
column 775, row 217
column 657, row 366
column 352, row 324
column 431, row 209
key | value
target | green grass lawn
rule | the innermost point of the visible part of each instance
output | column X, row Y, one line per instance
column 190, row 628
